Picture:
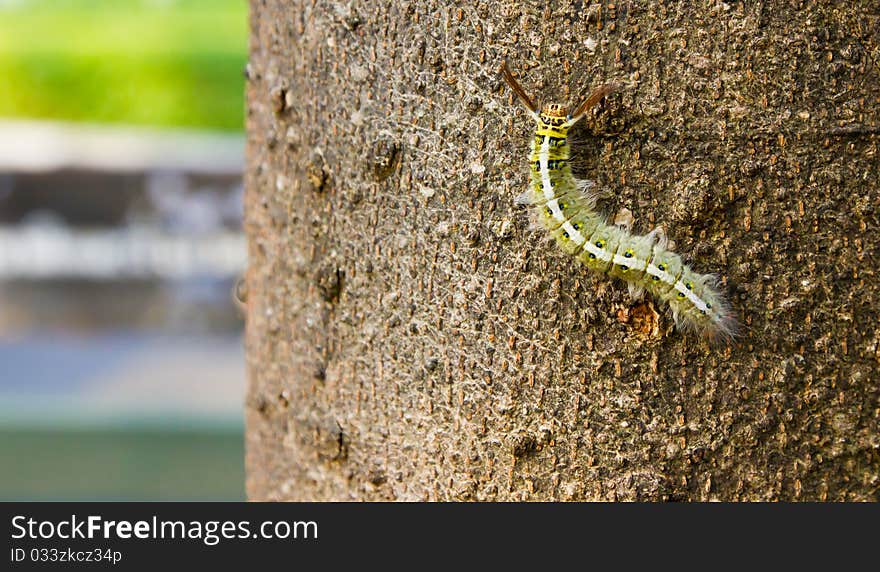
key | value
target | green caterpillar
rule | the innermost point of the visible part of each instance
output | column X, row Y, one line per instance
column 567, row 211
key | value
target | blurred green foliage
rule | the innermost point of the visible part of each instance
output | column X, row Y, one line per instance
column 155, row 62
column 155, row 464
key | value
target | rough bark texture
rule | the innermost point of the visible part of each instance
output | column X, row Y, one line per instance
column 410, row 336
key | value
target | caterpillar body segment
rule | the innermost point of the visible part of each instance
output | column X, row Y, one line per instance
column 567, row 210
column 631, row 261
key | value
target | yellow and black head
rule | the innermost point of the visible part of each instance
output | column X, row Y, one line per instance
column 554, row 116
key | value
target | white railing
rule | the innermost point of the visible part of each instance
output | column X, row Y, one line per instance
column 44, row 251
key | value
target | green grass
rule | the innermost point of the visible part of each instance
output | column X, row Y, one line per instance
column 121, row 464
column 155, row 62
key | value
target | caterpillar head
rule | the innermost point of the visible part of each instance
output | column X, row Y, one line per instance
column 553, row 110
column 554, row 114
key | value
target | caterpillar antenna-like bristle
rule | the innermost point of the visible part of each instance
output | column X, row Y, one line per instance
column 590, row 102
column 517, row 88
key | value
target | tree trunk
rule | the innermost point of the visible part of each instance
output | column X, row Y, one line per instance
column 412, row 336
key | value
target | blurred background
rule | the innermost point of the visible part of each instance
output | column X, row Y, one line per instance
column 121, row 156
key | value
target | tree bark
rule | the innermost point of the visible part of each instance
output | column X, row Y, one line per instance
column 410, row 334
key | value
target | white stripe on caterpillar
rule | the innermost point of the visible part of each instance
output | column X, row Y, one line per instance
column 566, row 210
column 545, row 170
